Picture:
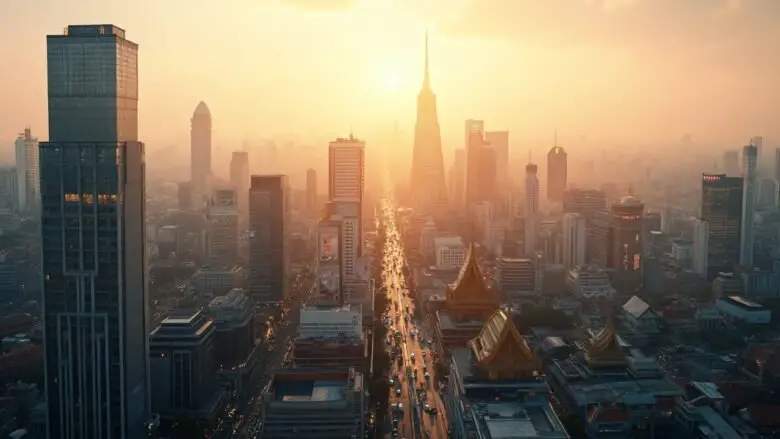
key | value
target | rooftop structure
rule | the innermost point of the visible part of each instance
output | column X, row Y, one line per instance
column 324, row 404
column 496, row 391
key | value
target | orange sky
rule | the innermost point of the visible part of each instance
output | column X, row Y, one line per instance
column 601, row 71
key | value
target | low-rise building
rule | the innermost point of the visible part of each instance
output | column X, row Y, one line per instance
column 741, row 309
column 589, row 282
column 182, row 368
column 495, row 388
column 315, row 404
column 617, row 392
column 235, row 339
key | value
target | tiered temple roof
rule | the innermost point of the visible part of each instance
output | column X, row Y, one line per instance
column 469, row 296
column 500, row 352
column 604, row 350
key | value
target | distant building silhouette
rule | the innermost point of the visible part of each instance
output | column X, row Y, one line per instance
column 200, row 154
column 557, row 173
column 429, row 190
column 721, row 208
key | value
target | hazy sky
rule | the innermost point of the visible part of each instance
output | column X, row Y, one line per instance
column 599, row 70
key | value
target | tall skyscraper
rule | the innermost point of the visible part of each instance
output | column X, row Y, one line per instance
column 731, row 163
column 749, row 196
column 345, row 192
column 427, row 180
column 480, row 166
column 499, row 141
column 701, row 236
column 574, row 233
column 557, row 173
column 269, row 258
column 239, row 179
column 531, row 208
column 28, row 183
column 721, row 208
column 311, row 191
column 625, row 240
column 95, row 307
column 200, row 155
column 458, row 178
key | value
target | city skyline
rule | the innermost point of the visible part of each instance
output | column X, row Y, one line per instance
column 639, row 85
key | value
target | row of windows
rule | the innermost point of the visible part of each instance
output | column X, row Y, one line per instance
column 90, row 198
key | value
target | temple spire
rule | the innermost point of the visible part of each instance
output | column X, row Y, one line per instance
column 427, row 77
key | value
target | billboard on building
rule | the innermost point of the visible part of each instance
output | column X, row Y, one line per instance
column 329, row 244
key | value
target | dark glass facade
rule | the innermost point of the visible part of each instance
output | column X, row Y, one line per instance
column 269, row 212
column 92, row 237
column 721, row 207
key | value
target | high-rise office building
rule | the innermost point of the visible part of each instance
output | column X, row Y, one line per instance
column 222, row 216
column 269, row 259
column 239, row 179
column 95, row 309
column 721, row 208
column 346, row 177
column 499, row 141
column 8, row 192
column 557, row 173
column 429, row 190
column 28, row 183
column 584, row 201
column 777, row 169
column 701, row 235
column 531, row 208
column 625, row 240
column 574, row 233
column 731, row 163
column 311, row 191
column 457, row 181
column 749, row 196
column 200, row 155
column 480, row 166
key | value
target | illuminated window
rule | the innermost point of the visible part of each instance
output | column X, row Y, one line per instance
column 107, row 198
column 72, row 198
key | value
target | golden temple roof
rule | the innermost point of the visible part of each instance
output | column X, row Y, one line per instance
column 470, row 284
column 605, row 350
column 501, row 351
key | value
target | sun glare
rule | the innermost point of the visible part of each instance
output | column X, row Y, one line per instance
column 389, row 78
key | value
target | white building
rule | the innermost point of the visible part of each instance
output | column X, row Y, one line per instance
column 28, row 183
column 329, row 322
column 682, row 251
column 739, row 308
column 346, row 184
column 573, row 240
column 701, row 240
column 749, row 197
column 450, row 253
column 589, row 282
column 531, row 208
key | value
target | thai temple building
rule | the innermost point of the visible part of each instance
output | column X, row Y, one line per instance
column 496, row 389
column 615, row 390
column 467, row 306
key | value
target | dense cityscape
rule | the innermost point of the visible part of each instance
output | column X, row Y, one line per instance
column 474, row 292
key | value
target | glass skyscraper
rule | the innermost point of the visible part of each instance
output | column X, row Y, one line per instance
column 95, row 302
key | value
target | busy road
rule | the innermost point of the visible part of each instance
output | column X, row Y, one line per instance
column 241, row 420
column 416, row 410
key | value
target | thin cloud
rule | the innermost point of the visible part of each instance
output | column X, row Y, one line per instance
column 320, row 5
column 671, row 27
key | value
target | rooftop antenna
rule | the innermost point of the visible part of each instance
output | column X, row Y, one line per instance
column 555, row 137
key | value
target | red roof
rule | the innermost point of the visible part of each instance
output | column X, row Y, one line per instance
column 756, row 357
column 737, row 394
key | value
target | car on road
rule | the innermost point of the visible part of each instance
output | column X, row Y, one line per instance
column 398, row 391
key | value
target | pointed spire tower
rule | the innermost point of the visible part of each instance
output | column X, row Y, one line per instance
column 427, row 179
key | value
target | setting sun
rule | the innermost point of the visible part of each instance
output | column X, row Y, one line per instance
column 390, row 78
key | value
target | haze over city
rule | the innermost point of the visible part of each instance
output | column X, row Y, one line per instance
column 603, row 72
column 390, row 219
